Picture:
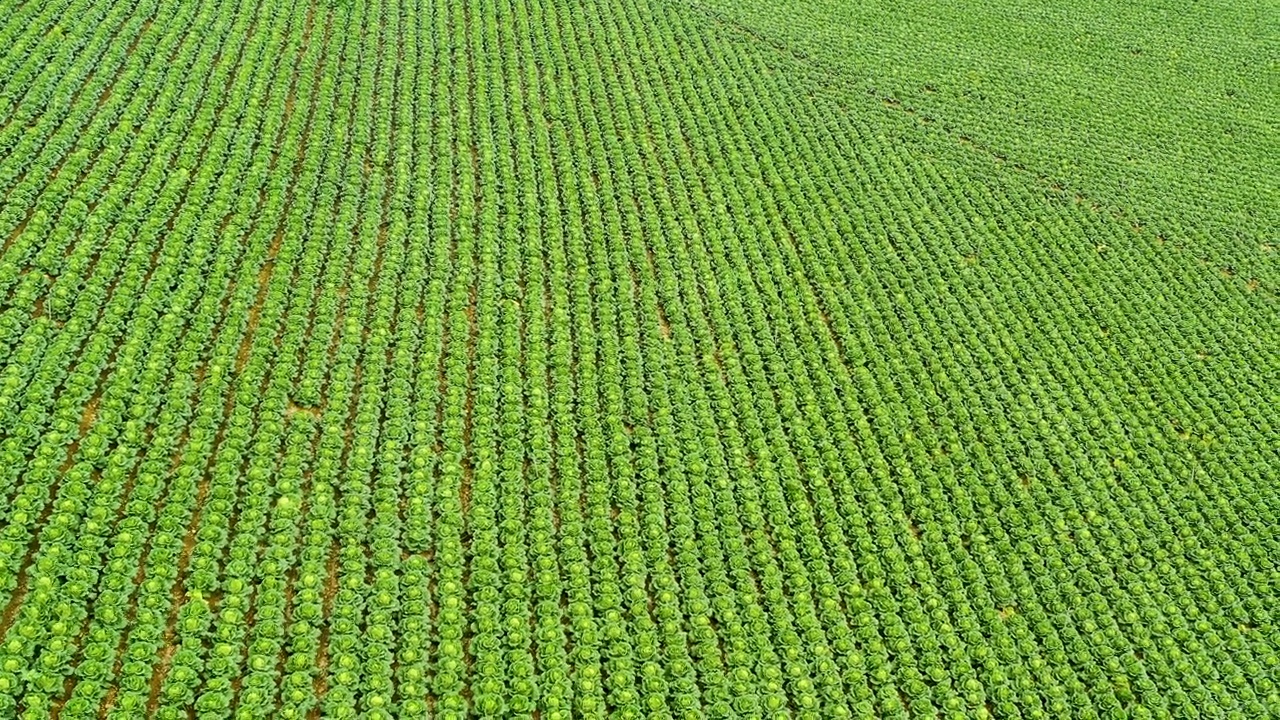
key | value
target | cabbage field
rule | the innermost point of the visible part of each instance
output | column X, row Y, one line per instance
column 639, row 359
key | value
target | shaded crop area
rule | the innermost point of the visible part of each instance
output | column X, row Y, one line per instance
column 635, row 358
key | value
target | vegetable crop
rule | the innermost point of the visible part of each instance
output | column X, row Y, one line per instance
column 632, row 359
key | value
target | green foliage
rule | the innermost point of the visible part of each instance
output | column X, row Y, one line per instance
column 381, row 359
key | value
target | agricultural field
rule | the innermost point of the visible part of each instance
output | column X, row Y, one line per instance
column 639, row 359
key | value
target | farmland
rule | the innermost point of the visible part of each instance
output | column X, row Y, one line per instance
column 639, row 358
